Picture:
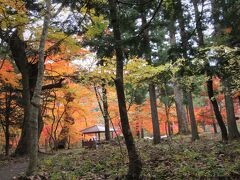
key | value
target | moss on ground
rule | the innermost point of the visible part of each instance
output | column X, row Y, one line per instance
column 178, row 158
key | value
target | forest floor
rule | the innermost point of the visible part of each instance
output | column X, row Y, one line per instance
column 176, row 158
column 12, row 167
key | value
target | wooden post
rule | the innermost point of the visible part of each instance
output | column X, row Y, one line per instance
column 46, row 144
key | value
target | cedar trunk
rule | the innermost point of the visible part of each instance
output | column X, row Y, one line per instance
column 213, row 120
column 216, row 110
column 231, row 120
column 181, row 113
column 105, row 111
column 193, row 122
column 198, row 21
column 155, row 122
column 135, row 165
column 146, row 53
column 184, row 43
column 178, row 93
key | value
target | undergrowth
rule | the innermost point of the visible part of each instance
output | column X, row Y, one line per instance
column 171, row 159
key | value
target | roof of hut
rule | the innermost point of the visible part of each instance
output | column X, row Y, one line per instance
column 95, row 129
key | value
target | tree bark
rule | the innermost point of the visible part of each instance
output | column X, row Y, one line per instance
column 181, row 113
column 135, row 165
column 194, row 129
column 18, row 50
column 7, row 122
column 215, row 15
column 17, row 47
column 105, row 111
column 24, row 143
column 35, row 102
column 40, row 122
column 7, row 139
column 214, row 126
column 217, row 113
column 214, row 106
column 103, row 105
column 146, row 53
column 184, row 42
column 198, row 21
column 187, row 111
column 154, row 112
column 178, row 93
column 231, row 120
column 238, row 100
column 216, row 110
column 213, row 119
column 169, row 124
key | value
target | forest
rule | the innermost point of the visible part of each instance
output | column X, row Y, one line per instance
column 119, row 89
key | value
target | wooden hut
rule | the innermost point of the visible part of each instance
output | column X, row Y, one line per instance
column 96, row 130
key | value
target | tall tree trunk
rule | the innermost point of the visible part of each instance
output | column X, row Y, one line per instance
column 169, row 124
column 213, row 119
column 142, row 133
column 181, row 113
column 35, row 102
column 178, row 93
column 18, row 50
column 146, row 53
column 40, row 122
column 105, row 111
column 155, row 122
column 187, row 112
column 23, row 144
column 135, row 165
column 7, row 138
column 216, row 110
column 17, row 47
column 198, row 20
column 231, row 120
column 7, row 122
column 215, row 5
column 195, row 135
column 167, row 106
column 103, row 105
column 214, row 126
column 184, row 42
column 238, row 100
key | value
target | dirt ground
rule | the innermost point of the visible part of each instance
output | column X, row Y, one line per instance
column 13, row 168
